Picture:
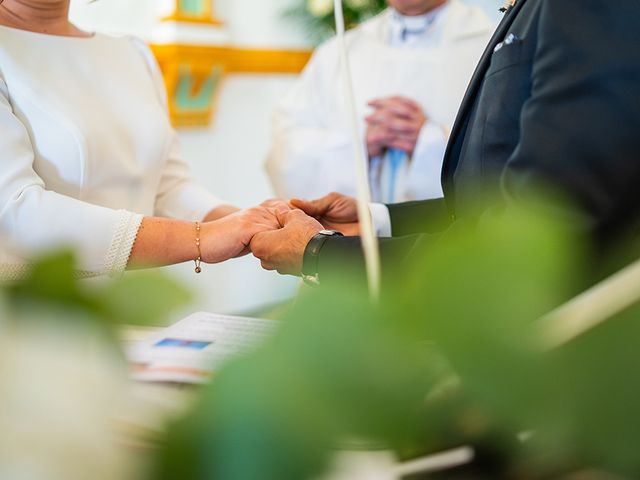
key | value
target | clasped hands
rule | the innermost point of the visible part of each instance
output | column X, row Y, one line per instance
column 300, row 220
column 396, row 122
column 277, row 232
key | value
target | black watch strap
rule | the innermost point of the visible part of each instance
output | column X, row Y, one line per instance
column 311, row 253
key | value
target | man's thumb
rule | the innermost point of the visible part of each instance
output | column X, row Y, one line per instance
column 311, row 208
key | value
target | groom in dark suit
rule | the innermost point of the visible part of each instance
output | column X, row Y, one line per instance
column 554, row 101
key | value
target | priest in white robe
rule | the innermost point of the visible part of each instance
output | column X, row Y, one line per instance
column 410, row 65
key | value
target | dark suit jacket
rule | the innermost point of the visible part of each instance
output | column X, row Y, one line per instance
column 555, row 100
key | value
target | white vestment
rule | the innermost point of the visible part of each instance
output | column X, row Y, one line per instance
column 312, row 152
column 86, row 149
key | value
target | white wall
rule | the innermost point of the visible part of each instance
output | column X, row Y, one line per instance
column 492, row 7
column 254, row 23
column 247, row 22
column 138, row 17
column 260, row 23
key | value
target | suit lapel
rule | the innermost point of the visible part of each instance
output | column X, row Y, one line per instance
column 462, row 118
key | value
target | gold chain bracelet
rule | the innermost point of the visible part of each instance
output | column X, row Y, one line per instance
column 198, row 260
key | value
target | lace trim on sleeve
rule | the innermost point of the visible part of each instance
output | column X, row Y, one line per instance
column 122, row 243
column 115, row 262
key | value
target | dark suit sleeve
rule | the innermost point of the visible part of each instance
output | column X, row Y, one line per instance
column 426, row 216
column 581, row 125
column 412, row 223
column 341, row 257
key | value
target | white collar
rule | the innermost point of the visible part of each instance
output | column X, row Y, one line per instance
column 417, row 22
column 425, row 24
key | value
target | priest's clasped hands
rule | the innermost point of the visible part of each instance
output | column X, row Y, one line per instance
column 299, row 220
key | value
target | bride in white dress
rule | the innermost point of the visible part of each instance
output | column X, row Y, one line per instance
column 88, row 158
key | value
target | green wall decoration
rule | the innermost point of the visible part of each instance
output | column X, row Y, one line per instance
column 194, row 7
column 195, row 93
column 193, row 75
column 194, row 11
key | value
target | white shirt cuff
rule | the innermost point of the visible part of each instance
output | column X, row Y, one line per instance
column 381, row 219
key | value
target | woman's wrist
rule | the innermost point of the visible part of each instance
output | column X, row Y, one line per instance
column 162, row 241
column 210, row 242
column 219, row 212
column 223, row 239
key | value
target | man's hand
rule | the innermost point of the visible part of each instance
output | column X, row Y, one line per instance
column 395, row 123
column 334, row 211
column 277, row 205
column 230, row 236
column 283, row 250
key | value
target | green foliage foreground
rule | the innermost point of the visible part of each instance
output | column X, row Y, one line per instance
column 52, row 284
column 451, row 356
column 65, row 394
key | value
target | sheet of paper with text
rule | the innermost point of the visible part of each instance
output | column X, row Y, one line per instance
column 191, row 350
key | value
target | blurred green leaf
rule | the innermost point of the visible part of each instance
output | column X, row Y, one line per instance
column 51, row 278
column 477, row 293
column 337, row 369
column 143, row 298
column 52, row 282
column 601, row 396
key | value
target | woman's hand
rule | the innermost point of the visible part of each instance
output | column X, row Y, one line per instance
column 229, row 237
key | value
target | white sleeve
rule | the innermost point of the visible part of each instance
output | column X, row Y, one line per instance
column 310, row 156
column 34, row 219
column 381, row 219
column 179, row 195
column 432, row 141
column 427, row 160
